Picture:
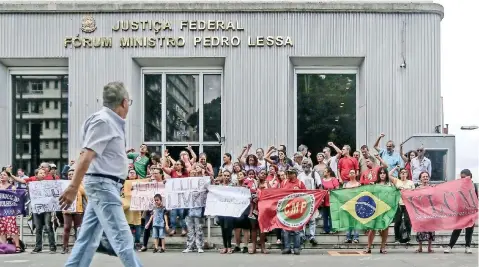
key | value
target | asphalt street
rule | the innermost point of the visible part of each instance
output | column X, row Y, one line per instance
column 395, row 258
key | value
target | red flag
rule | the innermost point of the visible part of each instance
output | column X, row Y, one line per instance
column 287, row 209
column 448, row 206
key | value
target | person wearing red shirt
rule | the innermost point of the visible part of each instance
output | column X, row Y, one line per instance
column 370, row 175
column 346, row 164
column 292, row 183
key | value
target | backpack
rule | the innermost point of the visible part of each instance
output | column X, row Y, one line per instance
column 105, row 246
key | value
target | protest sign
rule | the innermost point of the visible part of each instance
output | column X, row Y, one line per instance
column 186, row 193
column 12, row 202
column 142, row 195
column 44, row 195
column 448, row 206
column 227, row 200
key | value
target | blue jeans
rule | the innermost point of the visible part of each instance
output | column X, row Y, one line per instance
column 136, row 231
column 104, row 212
column 158, row 232
column 180, row 213
column 296, row 239
column 327, row 224
column 352, row 235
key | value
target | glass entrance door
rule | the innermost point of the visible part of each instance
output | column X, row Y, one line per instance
column 183, row 108
column 40, row 120
column 326, row 110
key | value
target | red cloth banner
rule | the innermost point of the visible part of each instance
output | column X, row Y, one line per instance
column 448, row 206
column 287, row 209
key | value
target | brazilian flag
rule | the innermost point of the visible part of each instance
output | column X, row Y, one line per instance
column 370, row 207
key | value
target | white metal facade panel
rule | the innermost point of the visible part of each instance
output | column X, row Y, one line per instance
column 5, row 117
column 258, row 82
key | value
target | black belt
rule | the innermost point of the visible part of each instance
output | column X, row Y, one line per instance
column 111, row 177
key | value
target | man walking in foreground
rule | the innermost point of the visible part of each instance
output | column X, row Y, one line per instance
column 104, row 165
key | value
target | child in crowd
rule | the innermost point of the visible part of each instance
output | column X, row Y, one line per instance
column 160, row 222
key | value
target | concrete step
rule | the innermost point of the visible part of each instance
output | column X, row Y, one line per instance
column 324, row 240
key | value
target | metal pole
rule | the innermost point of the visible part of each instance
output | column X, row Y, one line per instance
column 21, row 227
column 209, row 232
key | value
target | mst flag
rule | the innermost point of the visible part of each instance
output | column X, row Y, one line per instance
column 287, row 209
column 448, row 206
column 371, row 207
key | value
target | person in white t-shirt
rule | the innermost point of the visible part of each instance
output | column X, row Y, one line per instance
column 312, row 181
column 332, row 161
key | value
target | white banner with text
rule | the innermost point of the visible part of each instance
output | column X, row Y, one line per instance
column 44, row 195
column 142, row 195
column 186, row 193
column 227, row 200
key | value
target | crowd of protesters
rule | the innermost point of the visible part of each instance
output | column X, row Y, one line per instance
column 256, row 171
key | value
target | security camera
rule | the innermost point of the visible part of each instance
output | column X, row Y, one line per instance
column 403, row 65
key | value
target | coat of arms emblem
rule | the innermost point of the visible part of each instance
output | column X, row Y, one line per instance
column 88, row 24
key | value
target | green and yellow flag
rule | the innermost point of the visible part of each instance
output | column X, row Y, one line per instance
column 371, row 207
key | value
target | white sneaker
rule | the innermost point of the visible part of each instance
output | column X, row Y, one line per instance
column 468, row 250
column 200, row 250
column 187, row 250
column 447, row 250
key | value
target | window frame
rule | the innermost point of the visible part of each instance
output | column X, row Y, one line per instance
column 179, row 71
column 26, row 71
column 323, row 70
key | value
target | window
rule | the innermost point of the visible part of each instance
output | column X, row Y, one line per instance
column 22, row 129
column 64, row 127
column 326, row 108
column 64, row 106
column 37, row 87
column 211, row 107
column 64, row 147
column 183, row 107
column 37, row 107
column 153, row 107
column 35, row 148
column 23, row 107
column 438, row 159
column 23, row 148
column 182, row 97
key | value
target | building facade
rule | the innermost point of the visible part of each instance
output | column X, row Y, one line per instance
column 218, row 76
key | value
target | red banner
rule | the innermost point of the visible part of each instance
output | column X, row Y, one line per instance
column 448, row 206
column 287, row 209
